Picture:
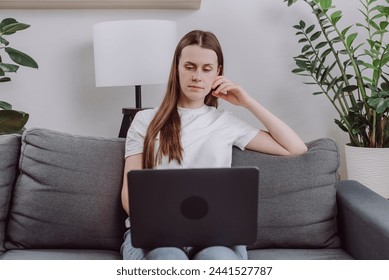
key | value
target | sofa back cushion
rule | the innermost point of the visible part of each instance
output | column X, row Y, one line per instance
column 297, row 196
column 9, row 152
column 68, row 193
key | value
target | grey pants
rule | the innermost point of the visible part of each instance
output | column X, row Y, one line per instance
column 172, row 253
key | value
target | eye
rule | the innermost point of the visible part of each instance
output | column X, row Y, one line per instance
column 208, row 69
column 189, row 67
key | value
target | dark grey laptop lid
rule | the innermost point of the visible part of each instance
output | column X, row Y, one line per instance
column 193, row 207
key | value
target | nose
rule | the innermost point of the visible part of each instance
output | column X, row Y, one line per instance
column 196, row 76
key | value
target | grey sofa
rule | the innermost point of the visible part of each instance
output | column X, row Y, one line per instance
column 60, row 199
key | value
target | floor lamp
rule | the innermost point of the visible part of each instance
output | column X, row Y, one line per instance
column 133, row 53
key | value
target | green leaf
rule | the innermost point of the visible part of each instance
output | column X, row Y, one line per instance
column 301, row 64
column 14, row 27
column 5, row 79
column 384, row 24
column 12, row 121
column 344, row 31
column 4, row 41
column 6, row 67
column 332, row 84
column 319, row 69
column 374, row 25
column 340, row 124
column 298, row 70
column 368, row 65
column 4, row 105
column 384, row 10
column 336, row 40
column 325, row 4
column 379, row 104
column 380, row 32
column 315, row 36
column 320, row 45
column 335, row 17
column 324, row 76
column 361, row 25
column 326, row 52
column 305, row 48
column 290, row 2
column 350, row 39
column 7, row 21
column 21, row 58
column 349, row 89
column 310, row 29
column 385, row 86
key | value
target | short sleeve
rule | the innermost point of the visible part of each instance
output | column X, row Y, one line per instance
column 137, row 132
column 244, row 132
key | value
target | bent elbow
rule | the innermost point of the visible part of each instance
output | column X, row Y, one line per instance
column 297, row 151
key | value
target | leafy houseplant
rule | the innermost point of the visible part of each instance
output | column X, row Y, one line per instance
column 12, row 121
column 352, row 72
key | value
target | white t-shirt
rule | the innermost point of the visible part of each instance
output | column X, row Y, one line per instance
column 207, row 137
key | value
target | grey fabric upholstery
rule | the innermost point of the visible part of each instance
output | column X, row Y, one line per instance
column 363, row 220
column 65, row 203
column 60, row 254
column 299, row 254
column 297, row 204
column 9, row 152
column 67, row 195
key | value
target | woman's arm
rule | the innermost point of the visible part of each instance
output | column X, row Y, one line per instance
column 132, row 163
column 280, row 139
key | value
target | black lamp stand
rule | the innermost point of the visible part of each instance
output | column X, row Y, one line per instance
column 129, row 113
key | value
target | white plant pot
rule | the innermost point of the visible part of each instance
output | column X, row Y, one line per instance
column 369, row 166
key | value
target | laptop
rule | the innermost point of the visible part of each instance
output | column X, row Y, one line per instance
column 193, row 207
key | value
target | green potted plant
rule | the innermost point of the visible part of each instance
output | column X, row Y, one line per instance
column 349, row 66
column 12, row 121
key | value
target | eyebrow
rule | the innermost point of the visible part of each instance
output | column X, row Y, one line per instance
column 194, row 64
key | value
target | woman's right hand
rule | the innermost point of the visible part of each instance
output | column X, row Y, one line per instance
column 231, row 92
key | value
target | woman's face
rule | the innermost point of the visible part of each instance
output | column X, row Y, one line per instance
column 197, row 69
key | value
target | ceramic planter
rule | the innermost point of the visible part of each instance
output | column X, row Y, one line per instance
column 369, row 166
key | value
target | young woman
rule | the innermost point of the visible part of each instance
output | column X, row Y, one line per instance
column 188, row 131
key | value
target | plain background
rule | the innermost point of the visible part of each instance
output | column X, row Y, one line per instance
column 258, row 41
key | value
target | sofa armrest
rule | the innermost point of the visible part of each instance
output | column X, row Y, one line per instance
column 363, row 219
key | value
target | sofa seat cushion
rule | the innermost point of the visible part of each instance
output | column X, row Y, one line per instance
column 67, row 195
column 298, row 254
column 49, row 254
column 9, row 153
column 297, row 196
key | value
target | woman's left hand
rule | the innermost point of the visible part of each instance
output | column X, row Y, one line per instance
column 229, row 91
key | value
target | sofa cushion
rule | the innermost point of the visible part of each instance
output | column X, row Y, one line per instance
column 9, row 151
column 68, row 193
column 60, row 254
column 297, row 196
column 299, row 254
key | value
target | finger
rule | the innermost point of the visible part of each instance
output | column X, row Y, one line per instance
column 220, row 95
column 225, row 87
column 218, row 81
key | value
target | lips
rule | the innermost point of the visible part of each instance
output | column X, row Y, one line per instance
column 196, row 87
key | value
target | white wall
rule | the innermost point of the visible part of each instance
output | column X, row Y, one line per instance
column 258, row 42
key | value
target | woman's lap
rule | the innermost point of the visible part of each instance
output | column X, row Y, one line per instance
column 172, row 253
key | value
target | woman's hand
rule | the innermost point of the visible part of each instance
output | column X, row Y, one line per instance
column 279, row 139
column 231, row 92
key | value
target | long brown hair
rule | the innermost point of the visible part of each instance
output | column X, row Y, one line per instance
column 167, row 121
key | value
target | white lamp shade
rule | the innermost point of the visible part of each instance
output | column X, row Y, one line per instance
column 133, row 52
